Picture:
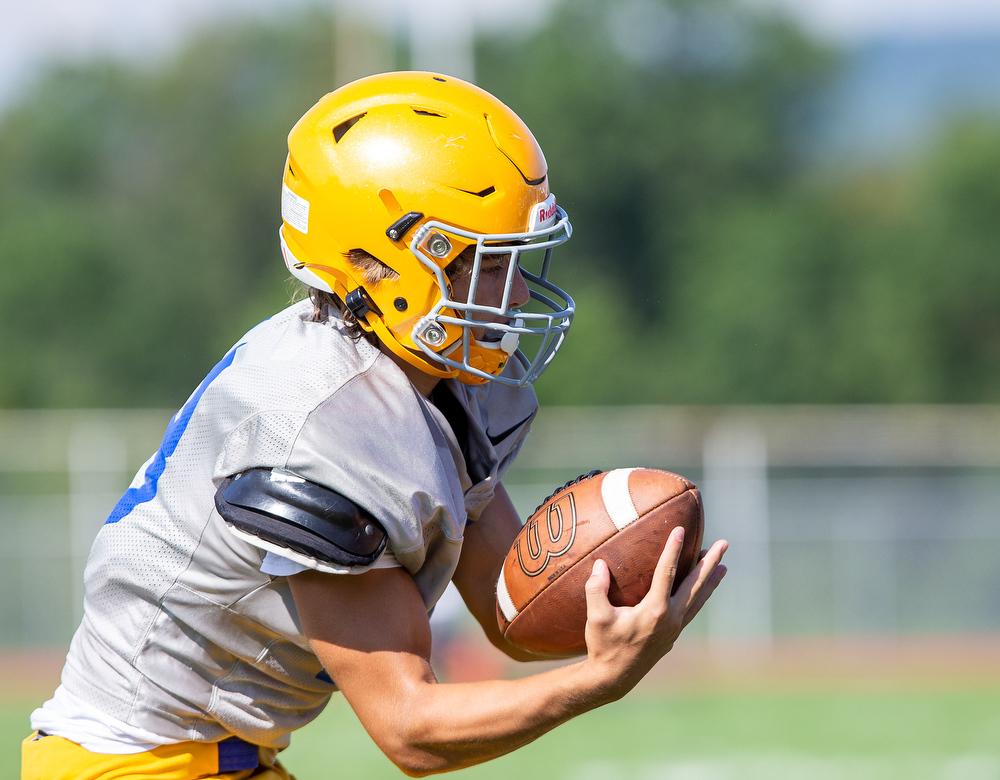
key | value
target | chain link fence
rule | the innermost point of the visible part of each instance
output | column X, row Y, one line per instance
column 854, row 521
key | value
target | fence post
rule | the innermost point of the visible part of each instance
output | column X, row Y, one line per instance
column 735, row 492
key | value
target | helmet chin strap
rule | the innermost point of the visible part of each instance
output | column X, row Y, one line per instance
column 507, row 344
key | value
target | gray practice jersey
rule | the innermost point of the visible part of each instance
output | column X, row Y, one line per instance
column 183, row 635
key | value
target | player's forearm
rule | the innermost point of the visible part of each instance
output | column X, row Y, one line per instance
column 441, row 727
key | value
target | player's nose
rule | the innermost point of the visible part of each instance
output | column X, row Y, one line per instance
column 519, row 293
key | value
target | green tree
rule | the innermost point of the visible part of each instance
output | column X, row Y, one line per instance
column 664, row 124
column 711, row 262
column 140, row 216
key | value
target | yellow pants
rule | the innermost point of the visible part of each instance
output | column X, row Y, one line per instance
column 55, row 758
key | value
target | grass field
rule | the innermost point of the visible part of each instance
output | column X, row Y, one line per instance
column 788, row 735
column 899, row 719
column 700, row 737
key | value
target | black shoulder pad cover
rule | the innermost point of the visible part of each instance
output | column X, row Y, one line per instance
column 301, row 516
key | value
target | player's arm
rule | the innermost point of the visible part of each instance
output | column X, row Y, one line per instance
column 372, row 635
column 486, row 544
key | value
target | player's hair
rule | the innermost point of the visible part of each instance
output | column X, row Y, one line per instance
column 372, row 272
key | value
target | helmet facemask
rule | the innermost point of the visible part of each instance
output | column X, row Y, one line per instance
column 490, row 332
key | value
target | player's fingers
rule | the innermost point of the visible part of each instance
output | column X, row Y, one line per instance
column 599, row 609
column 696, row 579
column 666, row 568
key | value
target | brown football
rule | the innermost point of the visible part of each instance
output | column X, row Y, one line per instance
column 621, row 516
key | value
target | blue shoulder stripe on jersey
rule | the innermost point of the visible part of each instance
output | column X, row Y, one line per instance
column 178, row 424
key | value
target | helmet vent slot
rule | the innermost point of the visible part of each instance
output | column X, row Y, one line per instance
column 341, row 130
column 481, row 193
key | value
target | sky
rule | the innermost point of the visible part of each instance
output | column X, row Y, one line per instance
column 854, row 21
column 35, row 32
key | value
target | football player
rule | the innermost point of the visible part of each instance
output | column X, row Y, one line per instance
column 341, row 465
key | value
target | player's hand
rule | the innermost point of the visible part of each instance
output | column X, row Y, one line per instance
column 623, row 643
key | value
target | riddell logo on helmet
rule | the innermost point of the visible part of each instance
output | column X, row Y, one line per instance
column 543, row 215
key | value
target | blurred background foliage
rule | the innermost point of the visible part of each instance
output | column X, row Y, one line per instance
column 714, row 260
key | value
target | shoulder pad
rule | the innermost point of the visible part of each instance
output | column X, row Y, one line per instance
column 292, row 515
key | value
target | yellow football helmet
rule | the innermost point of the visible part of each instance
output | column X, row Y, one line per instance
column 414, row 168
